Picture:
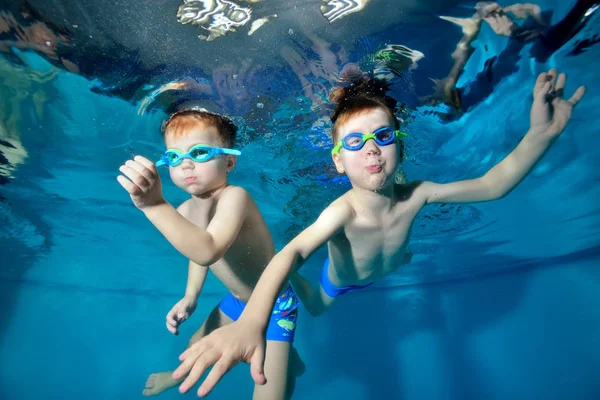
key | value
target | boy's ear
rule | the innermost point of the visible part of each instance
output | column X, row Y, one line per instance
column 231, row 161
column 337, row 160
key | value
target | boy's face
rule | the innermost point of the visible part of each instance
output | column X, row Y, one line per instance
column 198, row 178
column 373, row 166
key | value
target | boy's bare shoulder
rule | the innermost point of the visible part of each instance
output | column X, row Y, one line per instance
column 343, row 206
column 235, row 193
column 236, row 200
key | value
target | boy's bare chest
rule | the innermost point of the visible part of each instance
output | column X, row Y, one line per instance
column 382, row 237
column 389, row 235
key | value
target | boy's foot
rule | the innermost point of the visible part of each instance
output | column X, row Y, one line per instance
column 158, row 383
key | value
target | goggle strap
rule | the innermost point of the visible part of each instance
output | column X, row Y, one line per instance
column 232, row 152
column 337, row 148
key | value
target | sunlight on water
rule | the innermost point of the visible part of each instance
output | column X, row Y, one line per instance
column 337, row 9
column 216, row 16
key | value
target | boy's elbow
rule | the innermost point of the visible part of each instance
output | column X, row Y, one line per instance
column 501, row 194
column 492, row 191
column 207, row 255
column 215, row 254
column 500, row 191
column 208, row 259
column 202, row 259
column 494, row 194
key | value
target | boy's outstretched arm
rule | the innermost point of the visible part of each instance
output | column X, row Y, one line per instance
column 244, row 339
column 203, row 246
column 549, row 116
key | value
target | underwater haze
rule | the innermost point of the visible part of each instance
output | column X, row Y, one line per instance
column 500, row 301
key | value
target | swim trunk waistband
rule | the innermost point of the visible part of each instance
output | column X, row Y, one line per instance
column 336, row 291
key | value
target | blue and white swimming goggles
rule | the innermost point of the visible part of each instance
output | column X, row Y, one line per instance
column 198, row 153
column 356, row 141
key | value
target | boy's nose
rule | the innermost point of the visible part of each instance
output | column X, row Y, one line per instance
column 187, row 164
column 371, row 147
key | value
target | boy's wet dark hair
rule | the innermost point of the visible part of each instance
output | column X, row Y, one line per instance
column 180, row 122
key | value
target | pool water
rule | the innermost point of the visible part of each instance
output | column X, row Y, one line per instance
column 500, row 301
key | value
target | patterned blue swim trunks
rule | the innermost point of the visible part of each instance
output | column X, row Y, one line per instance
column 282, row 325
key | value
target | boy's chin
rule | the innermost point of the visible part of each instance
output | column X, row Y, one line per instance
column 194, row 190
column 200, row 192
column 196, row 193
column 374, row 184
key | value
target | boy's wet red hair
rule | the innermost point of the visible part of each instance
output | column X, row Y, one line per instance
column 181, row 122
column 361, row 96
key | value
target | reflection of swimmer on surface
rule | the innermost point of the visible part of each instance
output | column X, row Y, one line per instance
column 12, row 153
column 24, row 90
column 445, row 89
column 398, row 58
column 31, row 31
column 534, row 30
column 316, row 75
column 187, row 84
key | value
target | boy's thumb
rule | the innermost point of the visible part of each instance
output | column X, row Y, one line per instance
column 257, row 367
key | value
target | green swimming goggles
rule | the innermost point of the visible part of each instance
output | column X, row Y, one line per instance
column 356, row 141
column 198, row 153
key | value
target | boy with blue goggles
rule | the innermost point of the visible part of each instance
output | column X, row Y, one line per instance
column 199, row 153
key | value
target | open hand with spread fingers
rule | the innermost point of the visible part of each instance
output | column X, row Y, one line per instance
column 550, row 112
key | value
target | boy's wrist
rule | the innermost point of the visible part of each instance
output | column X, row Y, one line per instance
column 542, row 133
column 249, row 318
column 155, row 207
column 191, row 295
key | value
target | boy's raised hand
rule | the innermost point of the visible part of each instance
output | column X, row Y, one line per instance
column 144, row 184
column 550, row 111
